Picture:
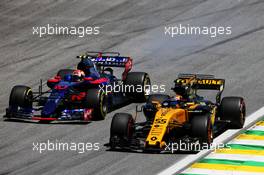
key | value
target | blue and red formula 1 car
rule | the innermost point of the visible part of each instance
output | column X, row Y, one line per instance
column 87, row 93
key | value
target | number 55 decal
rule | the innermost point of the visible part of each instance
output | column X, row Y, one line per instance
column 160, row 121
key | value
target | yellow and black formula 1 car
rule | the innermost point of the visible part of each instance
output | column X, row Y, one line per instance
column 185, row 117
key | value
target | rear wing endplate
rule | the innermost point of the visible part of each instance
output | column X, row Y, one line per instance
column 110, row 59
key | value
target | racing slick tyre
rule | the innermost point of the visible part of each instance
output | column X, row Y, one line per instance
column 121, row 130
column 140, row 82
column 97, row 100
column 61, row 73
column 21, row 96
column 202, row 128
column 149, row 109
column 233, row 109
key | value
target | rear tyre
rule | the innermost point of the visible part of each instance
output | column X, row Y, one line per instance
column 149, row 109
column 140, row 82
column 97, row 100
column 202, row 128
column 233, row 109
column 21, row 96
column 121, row 128
column 61, row 73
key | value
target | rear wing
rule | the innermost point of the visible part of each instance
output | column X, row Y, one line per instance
column 107, row 59
column 201, row 81
column 199, row 76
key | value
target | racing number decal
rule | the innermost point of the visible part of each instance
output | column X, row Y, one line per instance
column 78, row 97
column 160, row 121
column 157, row 131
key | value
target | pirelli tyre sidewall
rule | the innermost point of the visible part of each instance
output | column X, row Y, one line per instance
column 233, row 109
column 21, row 96
column 103, row 106
column 97, row 100
column 141, row 82
column 121, row 128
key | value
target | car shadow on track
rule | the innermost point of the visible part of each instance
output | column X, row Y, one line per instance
column 52, row 123
column 140, row 151
column 147, row 151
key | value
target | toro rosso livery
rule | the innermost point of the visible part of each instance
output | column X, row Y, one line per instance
column 80, row 94
column 185, row 117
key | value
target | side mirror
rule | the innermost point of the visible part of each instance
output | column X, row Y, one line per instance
column 139, row 109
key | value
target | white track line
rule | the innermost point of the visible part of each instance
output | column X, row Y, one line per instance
column 218, row 172
column 258, row 128
column 236, row 157
column 248, row 142
column 223, row 138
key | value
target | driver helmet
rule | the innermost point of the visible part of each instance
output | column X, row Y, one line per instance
column 85, row 65
column 181, row 90
column 77, row 75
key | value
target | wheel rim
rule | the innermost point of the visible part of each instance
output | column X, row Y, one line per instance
column 28, row 97
column 103, row 106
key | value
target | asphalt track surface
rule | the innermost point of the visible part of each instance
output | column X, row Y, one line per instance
column 134, row 28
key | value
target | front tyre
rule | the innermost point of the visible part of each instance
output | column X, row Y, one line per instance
column 97, row 100
column 121, row 129
column 233, row 109
column 21, row 96
column 202, row 128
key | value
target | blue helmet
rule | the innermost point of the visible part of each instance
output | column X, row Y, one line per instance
column 88, row 67
column 85, row 65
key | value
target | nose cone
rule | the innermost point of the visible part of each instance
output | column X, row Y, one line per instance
column 50, row 107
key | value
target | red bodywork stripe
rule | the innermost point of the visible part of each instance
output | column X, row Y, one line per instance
column 78, row 97
column 53, row 80
column 128, row 67
column 57, row 77
column 87, row 115
column 58, row 87
column 87, row 78
column 99, row 81
column 42, row 118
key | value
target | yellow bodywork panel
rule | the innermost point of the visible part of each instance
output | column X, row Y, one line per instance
column 164, row 119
